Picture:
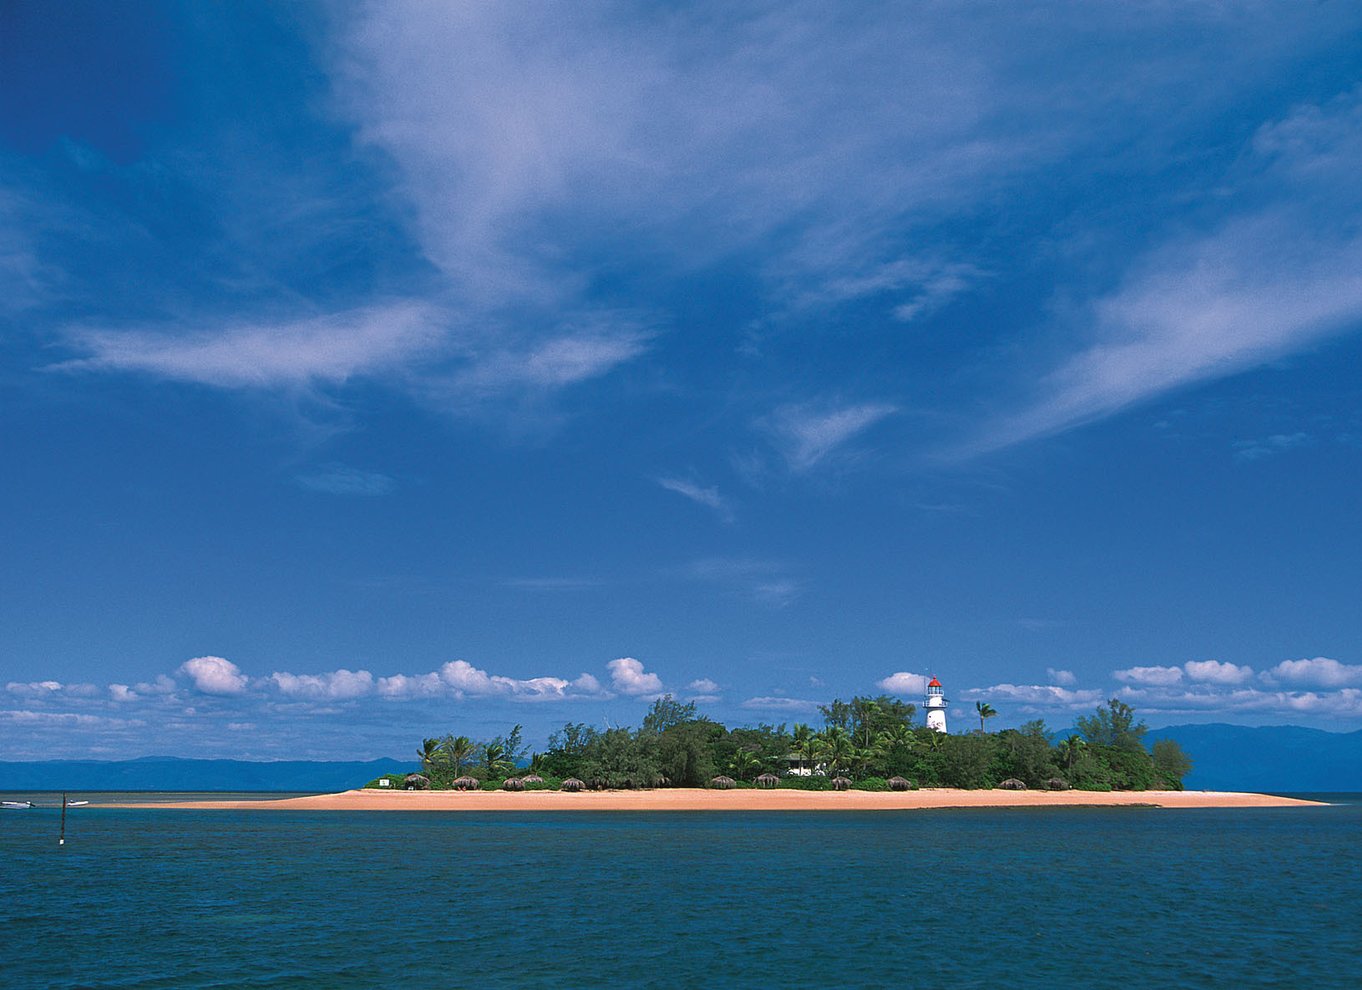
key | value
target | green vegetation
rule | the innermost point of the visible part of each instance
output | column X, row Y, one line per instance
column 868, row 740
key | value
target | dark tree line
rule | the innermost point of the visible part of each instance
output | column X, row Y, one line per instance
column 866, row 740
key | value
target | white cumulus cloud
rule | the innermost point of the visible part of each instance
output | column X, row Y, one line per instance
column 214, row 675
column 903, row 682
column 336, row 685
column 1318, row 672
column 1215, row 672
column 1162, row 676
column 628, row 677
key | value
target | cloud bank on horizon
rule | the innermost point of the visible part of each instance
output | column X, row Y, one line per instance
column 797, row 336
column 282, row 711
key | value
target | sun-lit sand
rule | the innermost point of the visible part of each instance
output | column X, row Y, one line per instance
column 697, row 799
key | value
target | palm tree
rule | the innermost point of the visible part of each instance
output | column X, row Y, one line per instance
column 1070, row 749
column 457, row 749
column 861, row 759
column 803, row 744
column 744, row 764
column 985, row 710
column 862, row 710
column 838, row 747
column 429, row 754
column 494, row 760
column 897, row 740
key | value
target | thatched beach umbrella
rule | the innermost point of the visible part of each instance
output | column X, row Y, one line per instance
column 571, row 784
column 900, row 784
column 1013, row 784
column 532, row 778
column 467, row 784
column 841, row 784
column 416, row 782
column 768, row 780
column 513, row 784
column 1057, row 784
column 722, row 783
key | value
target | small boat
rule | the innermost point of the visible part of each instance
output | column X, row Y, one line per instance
column 57, row 804
column 15, row 805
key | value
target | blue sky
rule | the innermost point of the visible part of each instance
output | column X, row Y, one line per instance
column 373, row 371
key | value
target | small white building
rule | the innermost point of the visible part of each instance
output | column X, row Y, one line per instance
column 935, row 706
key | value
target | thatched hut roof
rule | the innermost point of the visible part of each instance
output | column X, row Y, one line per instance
column 722, row 783
column 900, row 784
column 416, row 782
column 532, row 778
column 1057, row 784
column 768, row 780
column 1013, row 784
column 571, row 784
column 513, row 784
column 467, row 784
column 841, row 784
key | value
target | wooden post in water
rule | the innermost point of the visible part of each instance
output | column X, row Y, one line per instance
column 61, row 840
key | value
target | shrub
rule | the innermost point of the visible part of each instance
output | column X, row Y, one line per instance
column 871, row 784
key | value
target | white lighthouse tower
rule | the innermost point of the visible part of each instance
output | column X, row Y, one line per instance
column 936, row 706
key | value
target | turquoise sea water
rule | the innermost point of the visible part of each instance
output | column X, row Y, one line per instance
column 953, row 899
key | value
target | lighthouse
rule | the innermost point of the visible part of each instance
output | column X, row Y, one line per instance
column 936, row 706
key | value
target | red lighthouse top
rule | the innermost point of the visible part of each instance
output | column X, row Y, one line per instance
column 934, row 683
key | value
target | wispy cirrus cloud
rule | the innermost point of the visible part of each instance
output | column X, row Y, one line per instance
column 764, row 581
column 709, row 497
column 1277, row 443
column 338, row 479
column 808, row 435
column 1281, row 271
column 320, row 350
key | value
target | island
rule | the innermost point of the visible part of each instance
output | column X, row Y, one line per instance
column 868, row 755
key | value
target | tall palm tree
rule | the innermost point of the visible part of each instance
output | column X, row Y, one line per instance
column 985, row 710
column 429, row 754
column 838, row 746
column 1070, row 749
column 862, row 710
column 494, row 760
column 457, row 749
column 803, row 738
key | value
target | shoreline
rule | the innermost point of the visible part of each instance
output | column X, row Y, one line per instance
column 701, row 799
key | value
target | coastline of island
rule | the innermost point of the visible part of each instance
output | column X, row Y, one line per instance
column 747, row 800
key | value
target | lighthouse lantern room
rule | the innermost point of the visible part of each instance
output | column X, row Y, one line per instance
column 936, row 706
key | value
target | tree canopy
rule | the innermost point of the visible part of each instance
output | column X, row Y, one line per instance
column 866, row 739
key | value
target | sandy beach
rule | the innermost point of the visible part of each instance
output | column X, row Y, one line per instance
column 698, row 799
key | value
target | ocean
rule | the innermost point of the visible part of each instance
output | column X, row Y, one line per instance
column 990, row 898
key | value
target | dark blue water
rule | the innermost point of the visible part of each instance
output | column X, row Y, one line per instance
column 986, row 898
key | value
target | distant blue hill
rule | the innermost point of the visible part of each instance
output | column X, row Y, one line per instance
column 1268, row 758
column 160, row 773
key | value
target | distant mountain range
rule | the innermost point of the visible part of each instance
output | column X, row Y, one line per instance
column 1224, row 758
column 1268, row 758
column 162, row 773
